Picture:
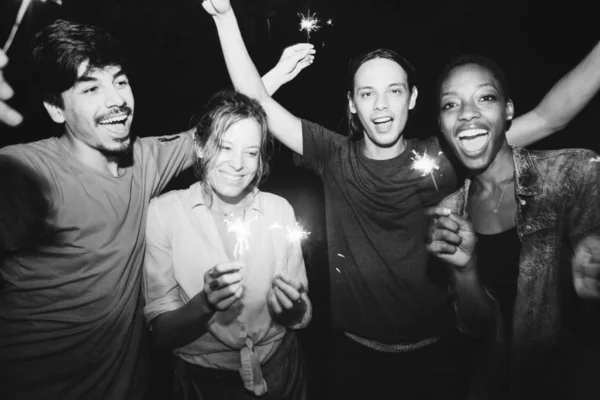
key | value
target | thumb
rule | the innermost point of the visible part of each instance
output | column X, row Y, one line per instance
column 463, row 224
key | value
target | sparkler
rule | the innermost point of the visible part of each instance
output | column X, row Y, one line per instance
column 294, row 234
column 241, row 229
column 425, row 164
column 20, row 14
column 309, row 23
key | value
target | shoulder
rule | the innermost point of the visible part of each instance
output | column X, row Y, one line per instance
column 153, row 143
column 43, row 156
column 312, row 128
column 168, row 202
column 563, row 160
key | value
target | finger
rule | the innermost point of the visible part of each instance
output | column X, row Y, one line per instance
column 282, row 298
column 300, row 47
column 272, row 299
column 228, row 302
column 9, row 116
column 446, row 223
column 463, row 224
column 6, row 91
column 293, row 282
column 439, row 248
column 288, row 291
column 3, row 59
column 436, row 212
column 447, row 236
column 587, row 288
column 226, row 268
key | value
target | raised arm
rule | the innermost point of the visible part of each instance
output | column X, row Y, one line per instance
column 286, row 127
column 561, row 104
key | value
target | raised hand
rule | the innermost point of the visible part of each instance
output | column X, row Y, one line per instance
column 586, row 268
column 7, row 115
column 223, row 285
column 451, row 237
column 216, row 7
column 285, row 294
column 294, row 59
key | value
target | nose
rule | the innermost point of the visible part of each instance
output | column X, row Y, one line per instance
column 381, row 103
column 468, row 112
column 236, row 161
column 114, row 98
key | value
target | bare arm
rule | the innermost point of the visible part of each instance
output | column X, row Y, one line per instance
column 7, row 115
column 285, row 127
column 561, row 104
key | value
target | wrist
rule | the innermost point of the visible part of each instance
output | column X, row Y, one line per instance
column 227, row 16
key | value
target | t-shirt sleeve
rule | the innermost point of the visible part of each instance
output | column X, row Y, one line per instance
column 160, row 287
column 172, row 154
column 24, row 201
column 319, row 144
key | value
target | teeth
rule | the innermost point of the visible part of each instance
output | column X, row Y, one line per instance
column 113, row 120
column 382, row 120
column 469, row 133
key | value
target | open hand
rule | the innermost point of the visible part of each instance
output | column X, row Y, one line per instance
column 586, row 268
column 294, row 59
column 223, row 285
column 451, row 237
column 7, row 115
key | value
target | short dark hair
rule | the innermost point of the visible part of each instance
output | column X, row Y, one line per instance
column 224, row 109
column 354, row 126
column 59, row 49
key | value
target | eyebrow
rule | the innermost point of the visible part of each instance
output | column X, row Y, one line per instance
column 483, row 85
column 390, row 85
column 87, row 78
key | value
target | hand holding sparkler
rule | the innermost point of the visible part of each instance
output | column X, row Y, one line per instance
column 293, row 60
column 223, row 285
column 7, row 114
column 425, row 164
column 285, row 296
column 451, row 238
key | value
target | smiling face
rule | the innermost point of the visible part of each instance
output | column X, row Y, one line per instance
column 98, row 110
column 473, row 115
column 236, row 162
column 381, row 99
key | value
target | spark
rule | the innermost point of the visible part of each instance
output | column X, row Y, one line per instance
column 309, row 23
column 338, row 270
column 425, row 164
column 341, row 255
column 330, row 22
column 296, row 233
column 241, row 229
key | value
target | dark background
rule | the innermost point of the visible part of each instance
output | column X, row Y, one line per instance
column 177, row 64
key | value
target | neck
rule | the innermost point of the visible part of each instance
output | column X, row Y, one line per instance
column 375, row 152
column 228, row 205
column 92, row 157
column 498, row 173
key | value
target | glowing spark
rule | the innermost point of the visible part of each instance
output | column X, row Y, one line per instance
column 241, row 229
column 425, row 165
column 296, row 233
column 330, row 22
column 337, row 269
column 309, row 23
column 341, row 255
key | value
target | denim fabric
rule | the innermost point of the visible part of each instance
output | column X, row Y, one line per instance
column 558, row 204
column 284, row 373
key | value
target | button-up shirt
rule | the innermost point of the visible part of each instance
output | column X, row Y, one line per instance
column 558, row 204
column 183, row 243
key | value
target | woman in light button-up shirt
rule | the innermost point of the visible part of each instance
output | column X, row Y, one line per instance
column 224, row 281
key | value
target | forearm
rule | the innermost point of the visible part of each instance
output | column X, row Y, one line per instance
column 242, row 71
column 179, row 327
column 475, row 308
column 561, row 104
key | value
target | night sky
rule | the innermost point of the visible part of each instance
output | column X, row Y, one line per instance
column 177, row 63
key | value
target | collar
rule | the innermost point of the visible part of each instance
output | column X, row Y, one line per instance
column 197, row 198
column 526, row 174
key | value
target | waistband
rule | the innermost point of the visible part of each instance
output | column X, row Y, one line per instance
column 392, row 348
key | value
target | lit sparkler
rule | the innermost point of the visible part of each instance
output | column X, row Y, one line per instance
column 296, row 233
column 241, row 229
column 20, row 14
column 425, row 164
column 309, row 23
column 329, row 22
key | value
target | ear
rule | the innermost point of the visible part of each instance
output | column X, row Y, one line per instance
column 55, row 112
column 510, row 110
column 413, row 98
column 351, row 105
